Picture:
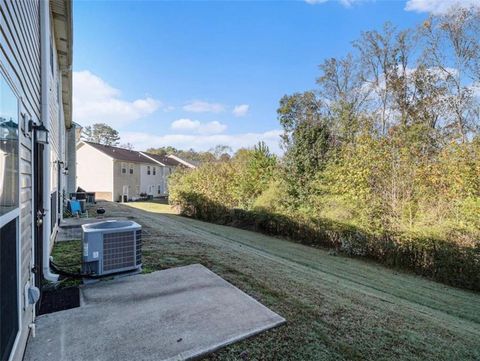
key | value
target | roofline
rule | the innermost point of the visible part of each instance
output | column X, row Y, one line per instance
column 151, row 158
column 184, row 162
column 120, row 160
column 86, row 143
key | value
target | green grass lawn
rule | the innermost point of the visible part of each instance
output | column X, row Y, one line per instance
column 337, row 308
column 154, row 206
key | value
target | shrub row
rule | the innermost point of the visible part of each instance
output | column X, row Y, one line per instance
column 440, row 260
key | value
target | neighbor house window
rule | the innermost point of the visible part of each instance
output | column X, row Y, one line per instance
column 154, row 171
column 148, row 169
column 131, row 168
column 124, row 168
column 159, row 191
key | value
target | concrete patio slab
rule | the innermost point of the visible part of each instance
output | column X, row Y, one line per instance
column 175, row 314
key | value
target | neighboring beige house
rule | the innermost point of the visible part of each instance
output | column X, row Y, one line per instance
column 117, row 174
column 36, row 98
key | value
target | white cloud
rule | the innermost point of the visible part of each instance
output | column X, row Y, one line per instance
column 96, row 101
column 204, row 142
column 240, row 110
column 196, row 126
column 185, row 124
column 438, row 7
column 198, row 106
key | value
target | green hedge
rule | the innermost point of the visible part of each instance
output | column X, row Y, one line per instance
column 441, row 260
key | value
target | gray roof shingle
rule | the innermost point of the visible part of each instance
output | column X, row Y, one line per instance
column 121, row 153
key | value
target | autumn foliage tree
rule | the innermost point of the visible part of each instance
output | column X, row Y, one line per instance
column 382, row 159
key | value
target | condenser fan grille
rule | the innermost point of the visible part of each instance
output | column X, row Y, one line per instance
column 118, row 250
column 139, row 247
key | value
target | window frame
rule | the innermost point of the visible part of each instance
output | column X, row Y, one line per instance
column 15, row 213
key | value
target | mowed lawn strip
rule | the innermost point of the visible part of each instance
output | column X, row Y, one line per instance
column 337, row 308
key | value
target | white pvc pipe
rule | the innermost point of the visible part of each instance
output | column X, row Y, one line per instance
column 47, row 167
column 34, row 221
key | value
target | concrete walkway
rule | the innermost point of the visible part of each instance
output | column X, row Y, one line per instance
column 175, row 314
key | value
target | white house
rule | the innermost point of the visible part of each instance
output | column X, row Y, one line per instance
column 36, row 139
column 159, row 185
column 117, row 174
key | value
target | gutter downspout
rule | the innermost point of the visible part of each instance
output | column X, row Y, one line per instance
column 44, row 69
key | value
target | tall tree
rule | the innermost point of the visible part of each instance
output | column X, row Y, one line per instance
column 453, row 49
column 343, row 93
column 101, row 133
column 296, row 109
column 307, row 139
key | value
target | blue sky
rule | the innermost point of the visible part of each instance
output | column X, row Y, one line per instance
column 196, row 74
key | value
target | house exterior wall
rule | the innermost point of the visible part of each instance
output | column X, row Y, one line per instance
column 20, row 67
column 19, row 54
column 57, row 142
column 149, row 183
column 94, row 171
column 126, row 181
column 110, row 183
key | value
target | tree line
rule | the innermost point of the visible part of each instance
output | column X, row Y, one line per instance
column 381, row 159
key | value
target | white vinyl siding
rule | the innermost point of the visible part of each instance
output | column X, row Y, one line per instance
column 20, row 61
column 94, row 170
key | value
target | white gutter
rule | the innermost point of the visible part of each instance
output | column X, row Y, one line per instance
column 45, row 68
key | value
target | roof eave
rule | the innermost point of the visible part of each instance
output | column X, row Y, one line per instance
column 151, row 158
column 180, row 160
column 63, row 29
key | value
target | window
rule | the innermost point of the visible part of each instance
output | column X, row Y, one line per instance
column 9, row 167
column 154, row 171
column 124, row 168
column 9, row 214
column 148, row 169
column 131, row 168
column 159, row 191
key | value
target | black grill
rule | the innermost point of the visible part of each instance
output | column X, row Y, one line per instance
column 139, row 247
column 118, row 250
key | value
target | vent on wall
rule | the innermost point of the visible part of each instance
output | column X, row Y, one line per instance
column 111, row 247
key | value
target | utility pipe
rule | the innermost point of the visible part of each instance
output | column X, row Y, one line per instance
column 45, row 45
